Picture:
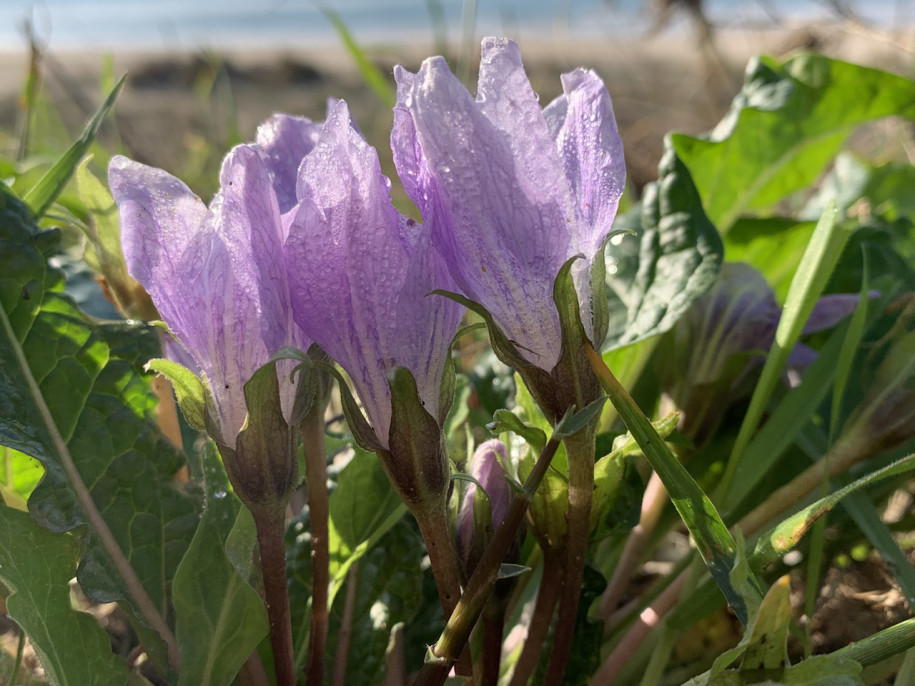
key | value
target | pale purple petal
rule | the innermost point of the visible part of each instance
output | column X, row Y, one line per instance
column 217, row 276
column 285, row 140
column 832, row 309
column 359, row 273
column 582, row 123
column 258, row 314
column 163, row 243
column 505, row 189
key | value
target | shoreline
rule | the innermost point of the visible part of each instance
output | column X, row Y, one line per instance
column 658, row 83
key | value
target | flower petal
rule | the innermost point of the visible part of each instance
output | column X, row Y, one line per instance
column 285, row 141
column 582, row 123
column 497, row 210
column 163, row 241
column 355, row 286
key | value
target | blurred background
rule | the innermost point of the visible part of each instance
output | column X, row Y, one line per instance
column 203, row 73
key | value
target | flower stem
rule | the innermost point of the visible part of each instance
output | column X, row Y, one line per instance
column 271, row 529
column 346, row 627
column 436, row 532
column 312, row 430
column 580, row 451
column 539, row 626
column 491, row 653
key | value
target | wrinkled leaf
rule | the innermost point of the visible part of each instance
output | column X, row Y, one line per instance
column 37, row 565
column 673, row 258
column 89, row 376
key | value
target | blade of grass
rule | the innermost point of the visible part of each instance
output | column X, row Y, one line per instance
column 374, row 78
column 816, row 265
column 783, row 426
column 45, row 192
column 853, row 336
column 711, row 536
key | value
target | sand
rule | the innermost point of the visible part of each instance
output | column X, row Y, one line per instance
column 658, row 84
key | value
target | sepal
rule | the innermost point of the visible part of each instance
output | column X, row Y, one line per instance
column 359, row 426
column 192, row 395
column 263, row 467
column 415, row 460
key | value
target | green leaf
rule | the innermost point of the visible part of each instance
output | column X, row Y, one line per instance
column 45, row 192
column 654, row 277
column 88, row 374
column 768, row 644
column 37, row 565
column 785, row 535
column 189, row 390
column 806, row 287
column 773, row 245
column 220, row 617
column 388, row 591
column 504, row 420
column 19, row 474
column 786, row 124
column 373, row 77
column 718, row 549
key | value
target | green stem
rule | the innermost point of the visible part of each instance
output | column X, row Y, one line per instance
column 20, row 649
column 312, row 430
column 470, row 606
column 436, row 532
column 539, row 626
column 580, row 452
column 271, row 530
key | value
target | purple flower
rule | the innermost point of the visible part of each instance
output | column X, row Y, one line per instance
column 486, row 468
column 215, row 274
column 510, row 191
column 724, row 336
column 359, row 274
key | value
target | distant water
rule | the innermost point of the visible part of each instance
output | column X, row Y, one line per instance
column 172, row 24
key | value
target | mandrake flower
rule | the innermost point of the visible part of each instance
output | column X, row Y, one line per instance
column 359, row 273
column 510, row 191
column 215, row 274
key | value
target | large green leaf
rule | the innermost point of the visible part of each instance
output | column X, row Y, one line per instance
column 220, row 617
column 89, row 375
column 673, row 258
column 37, row 565
column 784, row 127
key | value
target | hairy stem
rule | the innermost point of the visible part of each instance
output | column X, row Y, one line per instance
column 539, row 626
column 436, row 532
column 312, row 430
column 271, row 529
column 580, row 451
column 97, row 523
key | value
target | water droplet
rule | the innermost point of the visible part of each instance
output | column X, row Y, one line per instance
column 219, row 495
column 617, row 239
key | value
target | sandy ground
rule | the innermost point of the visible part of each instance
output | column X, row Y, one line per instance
column 658, row 83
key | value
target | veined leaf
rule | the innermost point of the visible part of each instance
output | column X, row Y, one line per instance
column 89, row 376
column 37, row 566
column 673, row 258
